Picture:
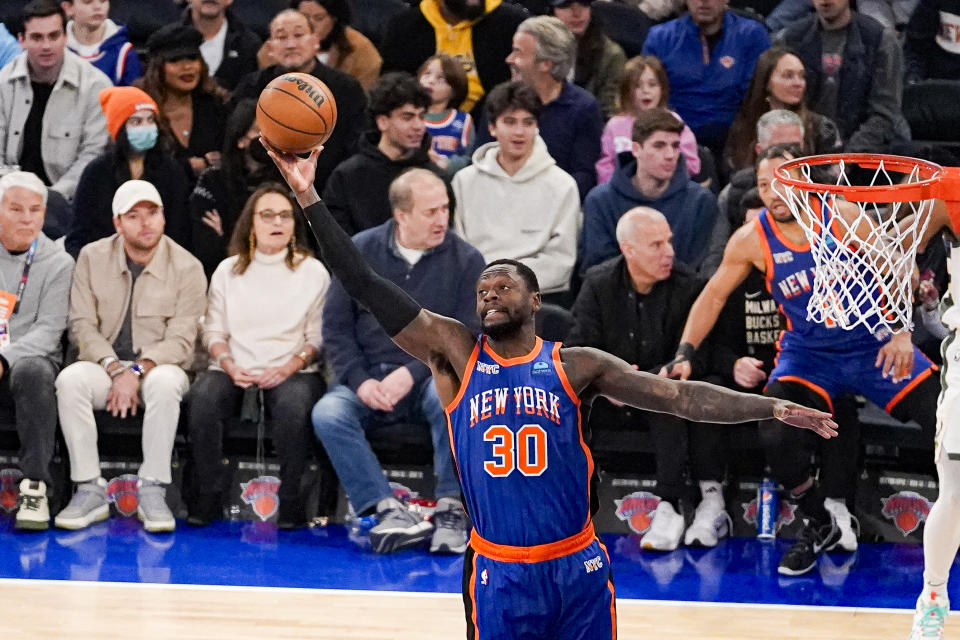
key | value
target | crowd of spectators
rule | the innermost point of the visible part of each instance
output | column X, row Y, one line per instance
column 467, row 131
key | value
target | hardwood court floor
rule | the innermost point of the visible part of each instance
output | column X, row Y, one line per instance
column 40, row 610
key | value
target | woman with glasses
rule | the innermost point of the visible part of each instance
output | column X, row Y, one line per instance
column 262, row 333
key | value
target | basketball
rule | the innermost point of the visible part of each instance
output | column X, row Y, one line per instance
column 296, row 112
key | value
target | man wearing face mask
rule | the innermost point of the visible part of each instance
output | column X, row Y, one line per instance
column 138, row 151
column 477, row 32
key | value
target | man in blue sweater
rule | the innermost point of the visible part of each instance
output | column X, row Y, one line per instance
column 709, row 54
column 379, row 383
column 650, row 176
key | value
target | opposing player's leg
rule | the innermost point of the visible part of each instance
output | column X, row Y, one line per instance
column 788, row 453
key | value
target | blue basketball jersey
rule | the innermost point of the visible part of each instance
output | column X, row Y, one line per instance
column 789, row 275
column 524, row 466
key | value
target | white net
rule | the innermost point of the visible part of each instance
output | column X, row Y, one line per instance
column 864, row 252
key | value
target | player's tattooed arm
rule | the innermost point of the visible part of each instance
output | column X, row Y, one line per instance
column 596, row 373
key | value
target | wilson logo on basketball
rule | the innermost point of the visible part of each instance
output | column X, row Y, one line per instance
column 786, row 514
column 306, row 89
column 122, row 492
column 907, row 509
column 636, row 508
column 9, row 489
column 261, row 494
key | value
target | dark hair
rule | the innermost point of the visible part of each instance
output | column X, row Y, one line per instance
column 455, row 76
column 240, row 244
column 152, row 82
column 339, row 10
column 121, row 151
column 653, row 120
column 511, row 96
column 590, row 46
column 631, row 78
column 526, row 273
column 393, row 90
column 41, row 9
column 787, row 150
column 742, row 138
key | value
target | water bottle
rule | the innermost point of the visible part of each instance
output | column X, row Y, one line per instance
column 768, row 509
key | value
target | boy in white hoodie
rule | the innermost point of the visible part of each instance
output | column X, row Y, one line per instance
column 514, row 201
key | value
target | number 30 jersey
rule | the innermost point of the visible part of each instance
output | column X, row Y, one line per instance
column 515, row 429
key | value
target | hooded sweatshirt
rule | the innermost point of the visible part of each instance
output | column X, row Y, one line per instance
column 38, row 325
column 356, row 192
column 690, row 209
column 532, row 216
column 115, row 56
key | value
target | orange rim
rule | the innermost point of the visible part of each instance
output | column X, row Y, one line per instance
column 929, row 186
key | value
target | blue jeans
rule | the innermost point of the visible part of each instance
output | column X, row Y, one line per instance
column 340, row 420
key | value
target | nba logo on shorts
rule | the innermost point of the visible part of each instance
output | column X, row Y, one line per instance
column 484, row 576
column 122, row 492
column 9, row 489
column 907, row 509
column 261, row 494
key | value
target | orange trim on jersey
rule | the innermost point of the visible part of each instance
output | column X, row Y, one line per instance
column 613, row 593
column 473, row 599
column 767, row 255
column 536, row 553
column 509, row 362
column 784, row 240
column 820, row 391
column 464, row 379
column 558, row 365
column 910, row 387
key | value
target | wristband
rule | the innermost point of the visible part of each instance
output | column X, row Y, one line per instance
column 136, row 370
column 116, row 372
column 685, row 351
column 223, row 356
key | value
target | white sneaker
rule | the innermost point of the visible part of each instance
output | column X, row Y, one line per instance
column 88, row 505
column 665, row 532
column 849, row 525
column 929, row 618
column 711, row 522
column 34, row 511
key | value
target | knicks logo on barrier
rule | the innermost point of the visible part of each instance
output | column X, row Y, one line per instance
column 122, row 492
column 907, row 509
column 786, row 514
column 10, row 489
column 636, row 510
column 261, row 494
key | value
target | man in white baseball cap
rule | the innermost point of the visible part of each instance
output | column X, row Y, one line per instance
column 134, row 306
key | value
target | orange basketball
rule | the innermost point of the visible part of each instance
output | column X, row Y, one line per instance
column 296, row 112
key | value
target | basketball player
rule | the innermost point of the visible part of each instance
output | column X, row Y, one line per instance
column 535, row 567
column 941, row 534
column 816, row 362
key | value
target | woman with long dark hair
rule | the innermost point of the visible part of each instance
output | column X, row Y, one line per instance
column 599, row 59
column 218, row 198
column 778, row 83
column 190, row 101
column 262, row 331
column 141, row 149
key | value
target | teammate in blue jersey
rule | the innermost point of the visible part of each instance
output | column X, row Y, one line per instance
column 816, row 362
column 535, row 567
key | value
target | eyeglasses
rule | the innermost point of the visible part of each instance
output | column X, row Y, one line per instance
column 271, row 216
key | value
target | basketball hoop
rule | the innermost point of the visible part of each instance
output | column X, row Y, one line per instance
column 864, row 237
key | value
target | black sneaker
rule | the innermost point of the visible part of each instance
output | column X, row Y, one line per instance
column 208, row 507
column 812, row 541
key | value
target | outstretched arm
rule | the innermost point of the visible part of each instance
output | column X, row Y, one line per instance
column 596, row 372
column 422, row 334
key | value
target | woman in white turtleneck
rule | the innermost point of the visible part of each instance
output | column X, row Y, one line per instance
column 262, row 330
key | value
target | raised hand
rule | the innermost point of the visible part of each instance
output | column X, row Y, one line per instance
column 805, row 418
column 298, row 172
